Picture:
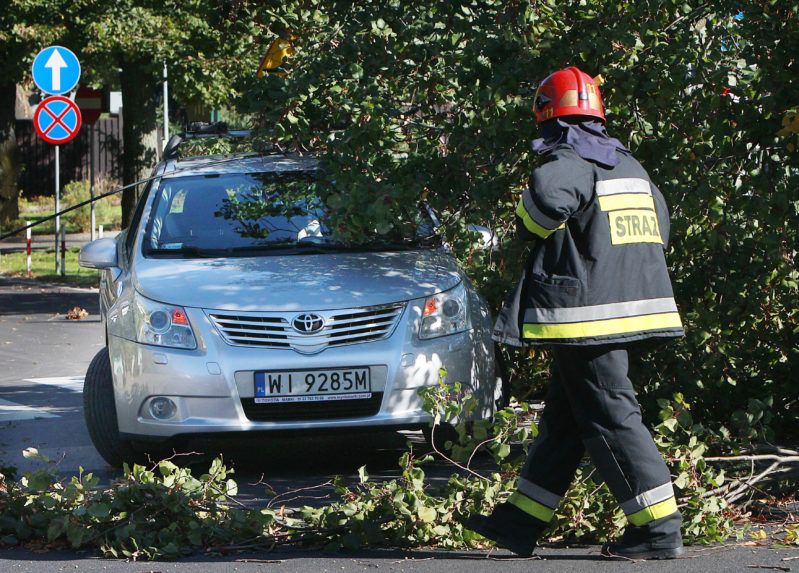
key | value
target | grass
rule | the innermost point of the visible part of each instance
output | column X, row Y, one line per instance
column 43, row 268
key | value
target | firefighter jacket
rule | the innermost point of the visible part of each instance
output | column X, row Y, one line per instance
column 597, row 271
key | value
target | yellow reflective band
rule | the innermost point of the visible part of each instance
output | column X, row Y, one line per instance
column 531, row 507
column 634, row 226
column 626, row 201
column 531, row 225
column 603, row 327
column 653, row 512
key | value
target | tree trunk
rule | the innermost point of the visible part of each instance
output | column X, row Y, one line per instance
column 139, row 135
column 9, row 206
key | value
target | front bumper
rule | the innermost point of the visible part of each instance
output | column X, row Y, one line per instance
column 213, row 386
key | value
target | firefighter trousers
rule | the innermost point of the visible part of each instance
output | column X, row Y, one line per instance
column 591, row 407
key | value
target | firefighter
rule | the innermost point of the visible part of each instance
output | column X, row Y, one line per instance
column 594, row 287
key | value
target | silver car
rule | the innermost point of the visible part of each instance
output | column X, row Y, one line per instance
column 228, row 309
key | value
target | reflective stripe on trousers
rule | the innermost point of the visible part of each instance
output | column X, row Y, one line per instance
column 650, row 505
column 535, row 500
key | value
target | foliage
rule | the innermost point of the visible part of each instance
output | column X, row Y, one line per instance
column 450, row 404
column 791, row 535
column 434, row 100
column 206, row 45
column 214, row 146
column 25, row 27
column 106, row 212
column 161, row 513
column 404, row 512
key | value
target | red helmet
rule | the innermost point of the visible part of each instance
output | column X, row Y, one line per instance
column 568, row 92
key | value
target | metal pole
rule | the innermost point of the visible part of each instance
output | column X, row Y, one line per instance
column 57, row 206
column 63, row 250
column 92, row 139
column 166, row 107
column 28, row 249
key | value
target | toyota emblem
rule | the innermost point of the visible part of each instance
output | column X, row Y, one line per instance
column 308, row 323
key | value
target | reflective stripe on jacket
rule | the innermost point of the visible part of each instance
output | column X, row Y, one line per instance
column 597, row 272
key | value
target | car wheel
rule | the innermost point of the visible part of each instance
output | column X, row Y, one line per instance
column 100, row 412
column 501, row 374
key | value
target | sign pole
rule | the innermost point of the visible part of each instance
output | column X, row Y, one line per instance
column 166, row 107
column 28, row 249
column 63, row 250
column 57, row 205
column 57, row 119
column 91, row 174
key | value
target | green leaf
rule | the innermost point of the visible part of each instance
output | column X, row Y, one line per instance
column 76, row 535
column 99, row 510
column 56, row 528
column 231, row 488
column 503, row 451
column 39, row 481
column 30, row 453
column 671, row 424
column 427, row 514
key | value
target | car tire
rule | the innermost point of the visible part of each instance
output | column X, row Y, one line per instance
column 444, row 433
column 100, row 412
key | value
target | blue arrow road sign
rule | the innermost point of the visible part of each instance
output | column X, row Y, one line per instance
column 56, row 70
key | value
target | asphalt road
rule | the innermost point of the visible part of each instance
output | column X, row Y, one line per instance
column 550, row 560
column 44, row 357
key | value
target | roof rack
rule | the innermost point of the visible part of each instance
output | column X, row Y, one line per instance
column 201, row 130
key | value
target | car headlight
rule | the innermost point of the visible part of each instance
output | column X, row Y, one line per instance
column 162, row 324
column 446, row 313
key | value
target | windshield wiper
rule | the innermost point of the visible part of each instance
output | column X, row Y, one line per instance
column 284, row 248
column 308, row 248
column 187, row 251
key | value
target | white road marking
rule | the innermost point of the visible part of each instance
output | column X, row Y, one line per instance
column 72, row 383
column 12, row 412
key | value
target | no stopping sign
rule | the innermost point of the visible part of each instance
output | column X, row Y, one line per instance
column 57, row 119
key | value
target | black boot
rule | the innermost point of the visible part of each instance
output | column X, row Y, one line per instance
column 508, row 527
column 659, row 539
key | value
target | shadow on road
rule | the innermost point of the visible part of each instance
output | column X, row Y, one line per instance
column 48, row 303
column 296, row 471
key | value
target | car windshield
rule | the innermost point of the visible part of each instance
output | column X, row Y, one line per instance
column 246, row 213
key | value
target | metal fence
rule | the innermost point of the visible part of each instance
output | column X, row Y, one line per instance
column 36, row 156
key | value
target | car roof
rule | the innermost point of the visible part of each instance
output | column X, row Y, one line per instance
column 239, row 163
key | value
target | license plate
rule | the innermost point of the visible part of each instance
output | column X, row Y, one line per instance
column 312, row 385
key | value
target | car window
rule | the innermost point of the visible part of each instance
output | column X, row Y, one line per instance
column 240, row 212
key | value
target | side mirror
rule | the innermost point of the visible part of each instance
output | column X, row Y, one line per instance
column 99, row 254
column 488, row 239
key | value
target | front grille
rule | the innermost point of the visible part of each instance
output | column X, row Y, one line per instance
column 275, row 330
column 312, row 410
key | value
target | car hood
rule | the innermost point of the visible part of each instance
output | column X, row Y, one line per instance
column 296, row 282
